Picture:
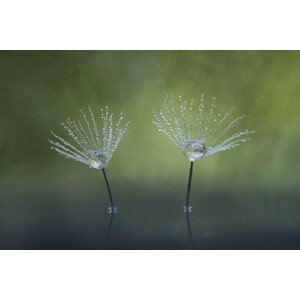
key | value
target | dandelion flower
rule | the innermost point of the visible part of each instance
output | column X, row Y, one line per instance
column 198, row 131
column 93, row 145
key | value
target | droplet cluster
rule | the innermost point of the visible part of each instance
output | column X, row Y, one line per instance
column 198, row 131
column 95, row 144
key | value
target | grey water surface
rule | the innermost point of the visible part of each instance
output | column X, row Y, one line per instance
column 80, row 221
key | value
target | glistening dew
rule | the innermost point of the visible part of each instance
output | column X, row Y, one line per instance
column 93, row 145
column 198, row 132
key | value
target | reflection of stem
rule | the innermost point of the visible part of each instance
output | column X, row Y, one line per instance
column 109, row 192
column 109, row 226
column 189, row 228
column 189, row 187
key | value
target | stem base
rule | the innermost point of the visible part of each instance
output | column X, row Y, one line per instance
column 187, row 209
column 112, row 209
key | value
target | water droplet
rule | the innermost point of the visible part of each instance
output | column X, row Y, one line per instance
column 97, row 159
column 194, row 150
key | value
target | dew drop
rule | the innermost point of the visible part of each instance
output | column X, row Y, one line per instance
column 97, row 159
column 194, row 150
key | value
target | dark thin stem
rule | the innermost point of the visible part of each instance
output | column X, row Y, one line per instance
column 187, row 209
column 189, row 187
column 109, row 192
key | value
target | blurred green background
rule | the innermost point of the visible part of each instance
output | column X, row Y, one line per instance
column 245, row 198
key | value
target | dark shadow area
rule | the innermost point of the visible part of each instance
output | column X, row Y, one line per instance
column 218, row 221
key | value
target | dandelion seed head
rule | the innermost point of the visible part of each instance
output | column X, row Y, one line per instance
column 94, row 139
column 198, row 130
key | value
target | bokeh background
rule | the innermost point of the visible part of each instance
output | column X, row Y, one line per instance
column 246, row 198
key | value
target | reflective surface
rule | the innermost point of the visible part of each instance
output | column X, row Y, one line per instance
column 80, row 221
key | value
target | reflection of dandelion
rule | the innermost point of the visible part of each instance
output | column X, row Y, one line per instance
column 198, row 132
column 95, row 145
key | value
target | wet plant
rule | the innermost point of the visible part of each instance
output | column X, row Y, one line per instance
column 198, row 131
column 94, row 144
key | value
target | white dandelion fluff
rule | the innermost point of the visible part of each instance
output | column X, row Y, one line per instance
column 198, row 132
column 92, row 144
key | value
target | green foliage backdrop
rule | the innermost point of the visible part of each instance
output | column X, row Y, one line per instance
column 40, row 89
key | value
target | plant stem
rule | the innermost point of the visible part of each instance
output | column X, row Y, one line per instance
column 187, row 209
column 109, row 192
column 189, row 187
